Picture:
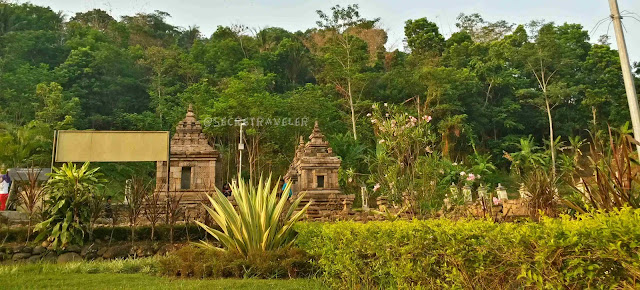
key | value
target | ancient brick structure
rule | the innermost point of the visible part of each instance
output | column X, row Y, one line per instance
column 192, row 164
column 314, row 171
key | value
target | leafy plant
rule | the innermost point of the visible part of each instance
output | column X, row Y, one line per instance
column 527, row 158
column 70, row 190
column 31, row 197
column 261, row 221
column 615, row 182
column 403, row 143
column 543, row 193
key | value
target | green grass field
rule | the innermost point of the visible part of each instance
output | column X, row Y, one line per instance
column 125, row 274
column 141, row 281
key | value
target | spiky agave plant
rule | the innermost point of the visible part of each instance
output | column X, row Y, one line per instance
column 259, row 223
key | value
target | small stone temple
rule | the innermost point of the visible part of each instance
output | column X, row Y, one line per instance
column 192, row 163
column 314, row 171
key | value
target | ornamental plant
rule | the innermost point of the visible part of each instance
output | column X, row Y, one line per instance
column 261, row 221
column 70, row 190
column 403, row 139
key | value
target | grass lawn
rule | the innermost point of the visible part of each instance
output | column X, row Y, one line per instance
column 141, row 281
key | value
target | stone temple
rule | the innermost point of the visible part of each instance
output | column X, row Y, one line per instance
column 314, row 171
column 191, row 171
column 192, row 164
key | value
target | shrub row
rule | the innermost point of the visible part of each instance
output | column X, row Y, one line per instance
column 592, row 251
column 182, row 233
column 194, row 262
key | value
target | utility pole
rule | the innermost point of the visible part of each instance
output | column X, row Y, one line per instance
column 242, row 123
column 632, row 98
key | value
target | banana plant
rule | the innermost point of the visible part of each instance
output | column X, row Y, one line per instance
column 259, row 223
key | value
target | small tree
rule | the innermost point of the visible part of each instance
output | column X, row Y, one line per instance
column 153, row 211
column 136, row 193
column 96, row 206
column 173, row 211
column 31, row 196
column 70, row 190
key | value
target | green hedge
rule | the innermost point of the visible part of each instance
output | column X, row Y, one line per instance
column 593, row 251
column 195, row 262
column 182, row 233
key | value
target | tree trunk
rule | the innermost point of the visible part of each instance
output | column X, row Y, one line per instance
column 551, row 136
column 353, row 114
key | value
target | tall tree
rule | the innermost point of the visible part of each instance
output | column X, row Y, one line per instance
column 423, row 36
column 345, row 55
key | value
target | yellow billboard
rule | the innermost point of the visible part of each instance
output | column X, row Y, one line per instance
column 111, row 146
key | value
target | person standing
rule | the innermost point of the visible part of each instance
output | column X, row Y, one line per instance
column 5, row 184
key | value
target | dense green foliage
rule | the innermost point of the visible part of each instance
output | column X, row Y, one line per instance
column 486, row 86
column 598, row 250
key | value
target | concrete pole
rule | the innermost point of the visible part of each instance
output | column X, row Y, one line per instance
column 632, row 98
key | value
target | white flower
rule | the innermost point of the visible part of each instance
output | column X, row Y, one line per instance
column 381, row 141
column 454, row 164
column 462, row 173
column 376, row 187
column 368, row 114
column 385, row 104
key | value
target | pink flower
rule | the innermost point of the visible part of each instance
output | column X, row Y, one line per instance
column 376, row 187
column 428, row 119
column 496, row 201
column 387, row 114
column 471, row 177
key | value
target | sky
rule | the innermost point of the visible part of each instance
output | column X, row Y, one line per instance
column 300, row 15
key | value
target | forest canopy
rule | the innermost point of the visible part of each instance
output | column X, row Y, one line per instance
column 483, row 88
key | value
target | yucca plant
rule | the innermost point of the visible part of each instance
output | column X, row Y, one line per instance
column 261, row 222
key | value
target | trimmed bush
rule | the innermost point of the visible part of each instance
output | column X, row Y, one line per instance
column 592, row 251
column 121, row 233
column 196, row 262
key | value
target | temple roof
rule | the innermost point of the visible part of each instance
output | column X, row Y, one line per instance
column 314, row 153
column 189, row 139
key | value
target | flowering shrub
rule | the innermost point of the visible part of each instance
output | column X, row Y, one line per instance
column 598, row 250
column 404, row 141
